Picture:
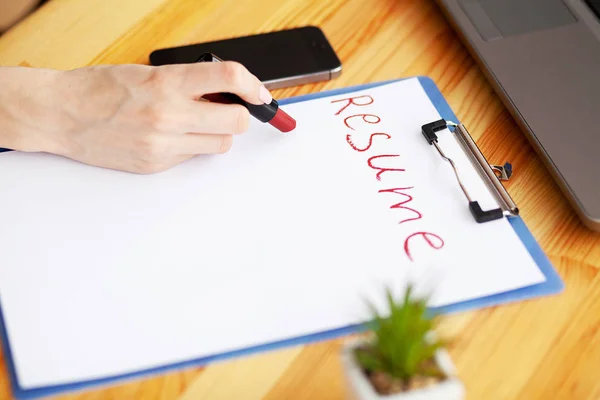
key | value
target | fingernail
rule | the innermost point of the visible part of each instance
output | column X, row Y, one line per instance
column 264, row 95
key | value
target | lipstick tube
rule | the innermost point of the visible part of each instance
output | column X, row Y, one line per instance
column 266, row 113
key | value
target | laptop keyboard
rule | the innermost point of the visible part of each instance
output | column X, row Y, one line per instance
column 594, row 5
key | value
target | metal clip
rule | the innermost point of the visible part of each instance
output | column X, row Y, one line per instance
column 486, row 171
column 504, row 170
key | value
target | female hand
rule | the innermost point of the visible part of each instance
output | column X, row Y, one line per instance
column 133, row 118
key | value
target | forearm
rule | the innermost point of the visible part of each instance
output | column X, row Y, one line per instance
column 30, row 110
column 134, row 118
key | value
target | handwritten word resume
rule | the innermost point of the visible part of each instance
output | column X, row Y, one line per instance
column 105, row 273
column 356, row 104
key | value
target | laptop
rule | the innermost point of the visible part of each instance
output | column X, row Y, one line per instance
column 543, row 59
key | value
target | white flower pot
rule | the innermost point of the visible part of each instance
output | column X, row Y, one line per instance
column 359, row 387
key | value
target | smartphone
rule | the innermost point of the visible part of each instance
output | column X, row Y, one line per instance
column 279, row 59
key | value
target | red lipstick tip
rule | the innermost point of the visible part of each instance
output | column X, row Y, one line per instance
column 283, row 121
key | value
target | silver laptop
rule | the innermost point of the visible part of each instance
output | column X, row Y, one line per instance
column 543, row 59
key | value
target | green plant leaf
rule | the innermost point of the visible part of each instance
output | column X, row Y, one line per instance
column 368, row 361
column 400, row 347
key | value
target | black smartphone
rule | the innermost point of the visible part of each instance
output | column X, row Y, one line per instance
column 279, row 59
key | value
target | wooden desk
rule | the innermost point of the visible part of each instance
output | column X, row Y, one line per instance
column 544, row 348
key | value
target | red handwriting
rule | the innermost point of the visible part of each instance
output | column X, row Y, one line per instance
column 351, row 101
column 351, row 143
column 364, row 118
column 401, row 204
column 427, row 240
column 434, row 241
column 382, row 170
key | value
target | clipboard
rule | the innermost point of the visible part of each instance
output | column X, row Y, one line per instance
column 552, row 285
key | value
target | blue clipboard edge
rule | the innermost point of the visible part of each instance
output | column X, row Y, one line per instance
column 552, row 285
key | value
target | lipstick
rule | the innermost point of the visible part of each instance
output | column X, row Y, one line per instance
column 267, row 113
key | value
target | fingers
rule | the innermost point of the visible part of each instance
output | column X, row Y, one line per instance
column 220, row 77
column 214, row 118
column 198, row 143
column 198, row 79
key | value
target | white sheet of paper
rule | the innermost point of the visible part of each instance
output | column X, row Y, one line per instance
column 104, row 273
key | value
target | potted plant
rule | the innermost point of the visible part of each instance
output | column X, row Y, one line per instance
column 403, row 359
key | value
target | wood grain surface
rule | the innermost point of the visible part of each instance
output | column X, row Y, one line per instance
column 547, row 348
